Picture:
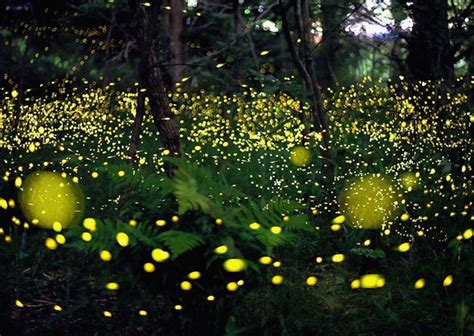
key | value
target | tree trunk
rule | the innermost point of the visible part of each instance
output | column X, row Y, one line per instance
column 429, row 52
column 151, row 78
column 177, row 49
column 326, row 62
column 137, row 124
column 470, row 71
column 304, row 65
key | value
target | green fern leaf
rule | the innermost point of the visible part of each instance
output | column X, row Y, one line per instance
column 179, row 242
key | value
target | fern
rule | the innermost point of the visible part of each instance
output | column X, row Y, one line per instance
column 270, row 240
column 179, row 242
column 187, row 194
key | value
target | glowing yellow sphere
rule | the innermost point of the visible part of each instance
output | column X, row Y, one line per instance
column 369, row 202
column 420, row 283
column 372, row 281
column 234, row 265
column 47, row 197
column 311, row 281
column 300, row 156
column 277, row 279
column 448, row 281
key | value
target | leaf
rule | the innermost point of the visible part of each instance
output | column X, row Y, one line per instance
column 179, row 242
column 187, row 195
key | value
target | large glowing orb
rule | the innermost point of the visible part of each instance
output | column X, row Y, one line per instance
column 47, row 198
column 369, row 202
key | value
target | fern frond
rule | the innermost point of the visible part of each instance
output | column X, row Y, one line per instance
column 179, row 242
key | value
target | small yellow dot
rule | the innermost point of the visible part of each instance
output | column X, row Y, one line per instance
column 51, row 244
column 186, row 285
column 112, row 286
column 86, row 236
column 265, row 260
column 57, row 227
column 221, row 249
column 149, row 267
column 194, row 275
column 232, row 286
column 160, row 222
column 61, row 240
column 337, row 258
column 311, row 281
column 420, row 283
column 105, row 255
column 276, row 229
column 277, row 280
column 254, row 226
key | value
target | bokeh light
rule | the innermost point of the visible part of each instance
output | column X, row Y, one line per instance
column 369, row 202
column 47, row 197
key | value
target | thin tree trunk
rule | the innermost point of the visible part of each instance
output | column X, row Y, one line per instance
column 304, row 65
column 429, row 51
column 151, row 79
column 470, row 72
column 175, row 29
column 137, row 125
column 23, row 65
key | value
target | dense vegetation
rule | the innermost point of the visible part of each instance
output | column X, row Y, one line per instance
column 209, row 179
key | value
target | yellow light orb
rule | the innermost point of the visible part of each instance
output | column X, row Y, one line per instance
column 311, row 281
column 149, row 267
column 339, row 219
column 105, row 255
column 420, row 283
column 113, row 286
column 467, row 234
column 277, row 280
column 404, row 247
column 337, row 258
column 448, row 281
column 194, row 275
column 122, row 239
column 300, row 156
column 60, row 239
column 276, row 229
column 265, row 260
column 159, row 255
column 51, row 244
column 355, row 284
column 372, row 281
column 369, row 202
column 90, row 224
column 254, row 226
column 234, row 265
column 221, row 249
column 186, row 285
column 232, row 286
column 46, row 198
